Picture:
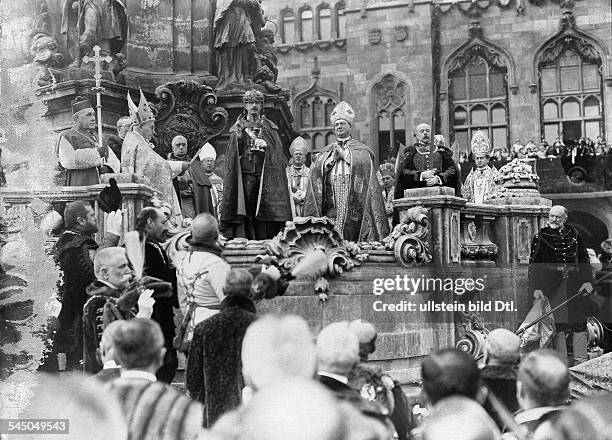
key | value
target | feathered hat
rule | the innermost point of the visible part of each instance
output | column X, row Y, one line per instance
column 141, row 114
column 387, row 169
column 299, row 143
column 480, row 143
column 343, row 111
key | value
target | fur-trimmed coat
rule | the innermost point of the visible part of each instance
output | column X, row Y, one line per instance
column 214, row 366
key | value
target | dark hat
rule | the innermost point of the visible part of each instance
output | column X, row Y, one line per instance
column 110, row 198
column 80, row 103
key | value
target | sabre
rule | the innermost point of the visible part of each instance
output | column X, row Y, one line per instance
column 97, row 59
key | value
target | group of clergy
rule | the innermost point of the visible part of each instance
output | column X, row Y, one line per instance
column 263, row 188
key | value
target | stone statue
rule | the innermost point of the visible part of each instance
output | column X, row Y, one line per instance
column 43, row 48
column 237, row 22
column 97, row 22
column 345, row 186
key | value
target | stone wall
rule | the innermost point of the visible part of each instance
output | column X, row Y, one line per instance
column 399, row 37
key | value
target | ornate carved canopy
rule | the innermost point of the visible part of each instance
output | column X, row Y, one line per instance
column 189, row 109
column 492, row 57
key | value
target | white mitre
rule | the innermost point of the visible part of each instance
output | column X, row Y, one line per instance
column 343, row 111
column 207, row 152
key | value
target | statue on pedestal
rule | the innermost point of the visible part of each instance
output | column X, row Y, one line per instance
column 95, row 22
column 345, row 186
column 236, row 24
column 256, row 195
column 480, row 183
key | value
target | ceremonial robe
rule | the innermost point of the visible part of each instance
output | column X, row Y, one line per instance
column 365, row 217
column 411, row 163
column 559, row 265
column 298, row 180
column 78, row 154
column 259, row 192
column 138, row 156
column 214, row 366
column 480, row 184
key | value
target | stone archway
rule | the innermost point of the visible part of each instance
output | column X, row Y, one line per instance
column 592, row 229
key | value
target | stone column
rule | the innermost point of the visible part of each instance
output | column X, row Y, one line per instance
column 169, row 40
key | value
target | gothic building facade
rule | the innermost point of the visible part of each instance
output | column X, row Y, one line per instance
column 517, row 69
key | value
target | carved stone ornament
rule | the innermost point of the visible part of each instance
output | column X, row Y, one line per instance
column 408, row 238
column 523, row 240
column 587, row 51
column 479, row 252
column 374, row 36
column 401, row 33
column 477, row 50
column 390, row 93
column 306, row 234
column 189, row 109
column 471, row 228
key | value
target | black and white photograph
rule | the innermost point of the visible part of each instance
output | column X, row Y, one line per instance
column 306, row 219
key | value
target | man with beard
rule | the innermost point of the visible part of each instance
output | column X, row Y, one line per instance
column 74, row 252
column 109, row 300
column 152, row 226
column 425, row 164
column 559, row 267
column 256, row 201
column 345, row 186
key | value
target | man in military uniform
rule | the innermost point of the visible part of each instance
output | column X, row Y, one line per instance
column 256, row 195
column 560, row 267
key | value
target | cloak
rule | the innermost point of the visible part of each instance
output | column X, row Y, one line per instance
column 273, row 203
column 235, row 21
column 202, row 187
column 78, row 155
column 468, row 189
column 138, row 155
column 366, row 218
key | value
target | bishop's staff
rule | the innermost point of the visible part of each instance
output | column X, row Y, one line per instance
column 112, row 161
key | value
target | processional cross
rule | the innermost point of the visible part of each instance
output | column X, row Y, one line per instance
column 97, row 59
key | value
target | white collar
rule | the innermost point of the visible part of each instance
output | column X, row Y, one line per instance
column 110, row 364
column 138, row 374
column 338, row 377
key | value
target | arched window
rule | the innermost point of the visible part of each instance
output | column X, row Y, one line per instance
column 325, row 23
column 478, row 98
column 306, row 28
column 340, row 20
column 570, row 91
column 313, row 108
column 389, row 97
column 287, row 26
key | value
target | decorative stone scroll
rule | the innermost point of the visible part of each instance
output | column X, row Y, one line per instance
column 189, row 109
column 408, row 238
column 306, row 234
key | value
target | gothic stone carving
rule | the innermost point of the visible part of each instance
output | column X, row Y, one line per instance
column 465, row 56
column 189, row 109
column 304, row 235
column 374, row 36
column 408, row 238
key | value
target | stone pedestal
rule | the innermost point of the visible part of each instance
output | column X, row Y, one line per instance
column 169, row 40
column 444, row 209
column 59, row 111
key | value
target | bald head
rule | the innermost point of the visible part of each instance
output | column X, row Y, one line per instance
column 276, row 347
column 204, row 229
column 557, row 216
column 502, row 347
column 459, row 418
column 298, row 409
column 542, row 380
column 423, row 133
column 337, row 349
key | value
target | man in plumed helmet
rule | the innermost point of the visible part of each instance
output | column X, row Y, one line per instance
column 345, row 187
column 256, row 196
column 77, row 148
